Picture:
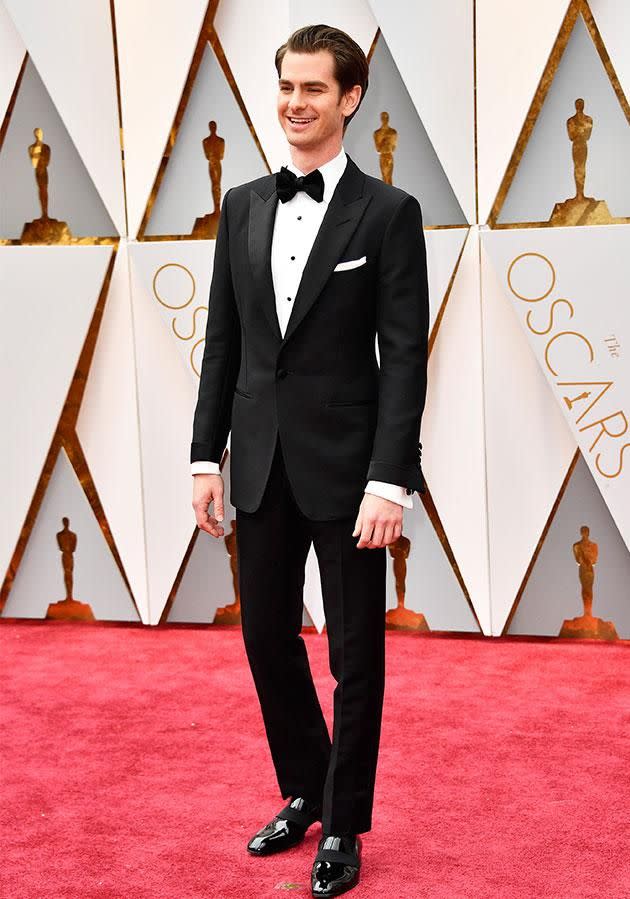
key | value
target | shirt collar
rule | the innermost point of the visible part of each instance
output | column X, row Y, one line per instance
column 331, row 172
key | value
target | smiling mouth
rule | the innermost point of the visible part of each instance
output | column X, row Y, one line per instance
column 296, row 121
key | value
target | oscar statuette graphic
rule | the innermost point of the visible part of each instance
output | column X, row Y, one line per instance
column 206, row 226
column 231, row 614
column 44, row 229
column 68, row 607
column 385, row 139
column 400, row 618
column 586, row 626
column 580, row 210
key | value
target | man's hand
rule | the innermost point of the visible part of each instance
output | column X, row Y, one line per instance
column 379, row 522
column 208, row 488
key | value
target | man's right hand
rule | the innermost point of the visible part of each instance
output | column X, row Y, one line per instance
column 208, row 488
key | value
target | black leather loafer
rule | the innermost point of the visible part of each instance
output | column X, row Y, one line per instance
column 286, row 829
column 337, row 865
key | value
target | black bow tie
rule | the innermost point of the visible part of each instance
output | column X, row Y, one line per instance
column 288, row 184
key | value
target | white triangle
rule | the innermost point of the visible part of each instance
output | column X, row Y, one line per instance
column 44, row 328
column 155, row 50
column 432, row 45
column 96, row 579
column 80, row 80
column 443, row 248
column 514, row 41
column 107, row 427
column 12, row 51
column 529, row 446
column 452, row 430
column 313, row 600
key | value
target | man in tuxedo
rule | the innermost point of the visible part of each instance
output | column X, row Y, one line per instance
column 312, row 264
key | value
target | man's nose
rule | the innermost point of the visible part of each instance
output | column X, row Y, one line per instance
column 296, row 101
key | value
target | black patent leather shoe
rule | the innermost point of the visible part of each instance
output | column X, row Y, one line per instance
column 337, row 865
column 286, row 829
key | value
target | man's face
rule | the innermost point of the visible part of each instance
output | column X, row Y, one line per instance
column 310, row 108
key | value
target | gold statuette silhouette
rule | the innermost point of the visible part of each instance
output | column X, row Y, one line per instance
column 385, row 139
column 586, row 626
column 43, row 229
column 400, row 618
column 68, row 607
column 214, row 149
column 580, row 210
column 231, row 614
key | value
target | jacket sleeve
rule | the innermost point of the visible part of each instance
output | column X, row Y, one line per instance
column 221, row 356
column 402, row 331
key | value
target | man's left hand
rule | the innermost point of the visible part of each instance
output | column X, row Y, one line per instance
column 379, row 522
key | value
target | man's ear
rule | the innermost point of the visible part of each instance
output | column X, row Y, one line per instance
column 356, row 88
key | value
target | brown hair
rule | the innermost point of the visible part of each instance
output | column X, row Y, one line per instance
column 350, row 64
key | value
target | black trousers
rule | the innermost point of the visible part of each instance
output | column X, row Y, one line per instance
column 273, row 543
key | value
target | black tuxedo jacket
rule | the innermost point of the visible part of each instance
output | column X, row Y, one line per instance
column 342, row 420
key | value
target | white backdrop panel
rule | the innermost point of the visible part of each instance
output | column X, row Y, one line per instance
column 73, row 49
column 574, row 279
column 431, row 585
column 553, row 590
column 529, row 445
column 72, row 195
column 12, row 52
column 108, row 429
column 250, row 52
column 40, row 578
column 44, row 327
column 432, row 45
column 166, row 399
column 156, row 40
column 352, row 16
column 452, row 430
column 613, row 22
column 545, row 172
column 443, row 249
column 514, row 41
column 207, row 583
column 185, row 190
column 176, row 276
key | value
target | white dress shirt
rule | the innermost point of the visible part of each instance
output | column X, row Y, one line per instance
column 295, row 227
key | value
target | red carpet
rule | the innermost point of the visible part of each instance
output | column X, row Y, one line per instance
column 134, row 765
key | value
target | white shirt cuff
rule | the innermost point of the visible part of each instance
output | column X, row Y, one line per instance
column 203, row 467
column 393, row 492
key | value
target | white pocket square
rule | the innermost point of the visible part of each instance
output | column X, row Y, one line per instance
column 350, row 263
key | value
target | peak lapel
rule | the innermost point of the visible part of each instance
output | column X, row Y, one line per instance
column 344, row 212
column 262, row 213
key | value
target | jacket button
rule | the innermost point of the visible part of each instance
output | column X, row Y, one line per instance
column 282, row 373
